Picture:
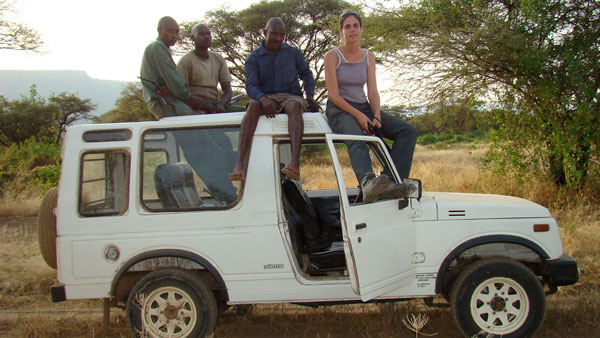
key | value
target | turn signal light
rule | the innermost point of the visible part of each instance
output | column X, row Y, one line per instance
column 541, row 227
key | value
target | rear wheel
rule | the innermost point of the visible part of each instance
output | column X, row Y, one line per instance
column 46, row 227
column 497, row 297
column 171, row 303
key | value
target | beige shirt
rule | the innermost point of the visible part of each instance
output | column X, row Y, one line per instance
column 203, row 76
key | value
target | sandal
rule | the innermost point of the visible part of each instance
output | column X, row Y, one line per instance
column 237, row 175
column 291, row 171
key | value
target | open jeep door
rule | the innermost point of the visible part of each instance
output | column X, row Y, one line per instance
column 379, row 237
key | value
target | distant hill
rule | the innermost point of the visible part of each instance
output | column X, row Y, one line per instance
column 14, row 83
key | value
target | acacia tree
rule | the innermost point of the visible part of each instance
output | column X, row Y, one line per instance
column 64, row 110
column 23, row 119
column 448, row 116
column 311, row 27
column 539, row 58
column 15, row 35
column 129, row 107
column 34, row 116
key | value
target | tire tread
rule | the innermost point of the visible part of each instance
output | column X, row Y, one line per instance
column 493, row 266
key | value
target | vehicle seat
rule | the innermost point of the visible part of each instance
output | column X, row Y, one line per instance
column 328, row 209
column 175, row 186
column 307, row 233
column 304, row 218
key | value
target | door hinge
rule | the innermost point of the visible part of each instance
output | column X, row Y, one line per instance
column 415, row 208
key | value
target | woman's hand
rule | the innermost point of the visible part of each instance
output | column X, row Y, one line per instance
column 364, row 122
column 376, row 122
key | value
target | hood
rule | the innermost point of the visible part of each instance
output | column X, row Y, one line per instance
column 455, row 206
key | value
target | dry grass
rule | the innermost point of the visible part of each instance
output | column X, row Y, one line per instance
column 383, row 320
column 574, row 312
column 459, row 169
column 24, row 275
column 11, row 206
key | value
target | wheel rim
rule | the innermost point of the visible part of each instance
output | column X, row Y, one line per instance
column 169, row 312
column 499, row 306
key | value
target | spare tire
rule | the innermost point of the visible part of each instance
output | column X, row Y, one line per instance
column 46, row 227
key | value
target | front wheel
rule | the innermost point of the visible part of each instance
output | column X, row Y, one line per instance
column 497, row 297
column 171, row 303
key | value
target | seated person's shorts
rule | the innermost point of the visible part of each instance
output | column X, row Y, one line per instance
column 283, row 99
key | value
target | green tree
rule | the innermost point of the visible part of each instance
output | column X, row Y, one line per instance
column 65, row 109
column 311, row 27
column 129, row 107
column 539, row 59
column 23, row 119
column 449, row 116
column 34, row 116
column 14, row 35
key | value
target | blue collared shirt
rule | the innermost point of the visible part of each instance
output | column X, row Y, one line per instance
column 273, row 73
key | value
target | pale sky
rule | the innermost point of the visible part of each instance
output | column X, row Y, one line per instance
column 104, row 38
column 107, row 38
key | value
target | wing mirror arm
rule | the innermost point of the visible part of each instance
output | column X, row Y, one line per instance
column 418, row 192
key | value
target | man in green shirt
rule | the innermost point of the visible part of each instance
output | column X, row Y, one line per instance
column 202, row 70
column 167, row 94
column 158, row 70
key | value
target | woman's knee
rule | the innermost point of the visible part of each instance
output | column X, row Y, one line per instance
column 398, row 128
column 411, row 131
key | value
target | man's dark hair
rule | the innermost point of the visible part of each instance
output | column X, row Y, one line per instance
column 164, row 20
column 275, row 21
column 196, row 27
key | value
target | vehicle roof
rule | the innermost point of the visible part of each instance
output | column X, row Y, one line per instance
column 314, row 123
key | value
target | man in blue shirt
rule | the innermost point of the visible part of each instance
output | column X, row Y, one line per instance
column 272, row 73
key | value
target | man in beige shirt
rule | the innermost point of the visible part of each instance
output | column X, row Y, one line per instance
column 202, row 70
column 209, row 151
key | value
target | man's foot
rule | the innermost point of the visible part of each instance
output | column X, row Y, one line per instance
column 237, row 175
column 372, row 186
column 397, row 191
column 291, row 171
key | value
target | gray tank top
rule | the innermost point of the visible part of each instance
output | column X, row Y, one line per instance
column 351, row 77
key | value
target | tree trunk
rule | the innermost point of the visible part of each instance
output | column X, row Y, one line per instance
column 557, row 170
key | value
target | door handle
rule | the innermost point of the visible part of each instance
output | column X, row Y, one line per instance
column 361, row 226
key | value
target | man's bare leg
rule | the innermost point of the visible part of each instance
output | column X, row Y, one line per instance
column 246, row 133
column 295, row 129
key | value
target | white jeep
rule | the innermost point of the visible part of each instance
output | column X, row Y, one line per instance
column 146, row 218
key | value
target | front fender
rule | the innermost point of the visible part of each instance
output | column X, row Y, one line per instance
column 481, row 241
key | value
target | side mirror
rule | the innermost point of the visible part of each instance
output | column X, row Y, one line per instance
column 419, row 189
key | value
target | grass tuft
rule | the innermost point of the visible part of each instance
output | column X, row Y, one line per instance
column 12, row 206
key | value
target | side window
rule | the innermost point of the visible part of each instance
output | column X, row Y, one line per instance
column 316, row 167
column 188, row 169
column 317, row 170
column 104, row 183
column 378, row 162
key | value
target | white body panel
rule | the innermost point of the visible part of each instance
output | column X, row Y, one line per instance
column 245, row 242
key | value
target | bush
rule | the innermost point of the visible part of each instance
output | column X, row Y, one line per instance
column 445, row 139
column 427, row 139
column 29, row 168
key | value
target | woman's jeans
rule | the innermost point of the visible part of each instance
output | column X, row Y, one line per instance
column 401, row 132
